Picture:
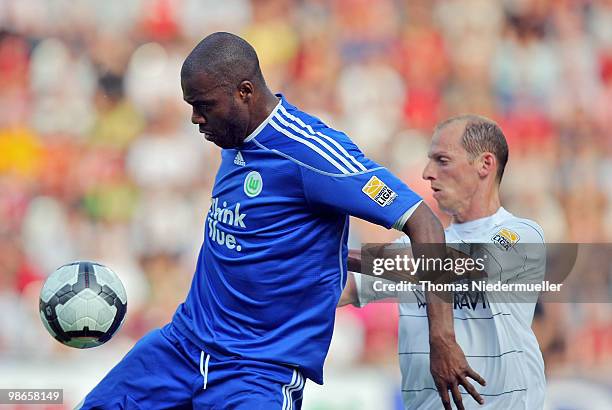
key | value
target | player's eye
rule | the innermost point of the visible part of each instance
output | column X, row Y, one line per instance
column 208, row 104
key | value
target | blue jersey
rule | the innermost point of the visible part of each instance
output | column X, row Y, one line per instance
column 273, row 263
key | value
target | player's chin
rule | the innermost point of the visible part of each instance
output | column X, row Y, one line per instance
column 215, row 139
column 228, row 141
column 439, row 197
column 442, row 202
column 223, row 143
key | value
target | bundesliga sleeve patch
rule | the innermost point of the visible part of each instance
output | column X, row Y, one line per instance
column 379, row 192
column 505, row 239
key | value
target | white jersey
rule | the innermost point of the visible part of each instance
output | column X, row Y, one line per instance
column 496, row 337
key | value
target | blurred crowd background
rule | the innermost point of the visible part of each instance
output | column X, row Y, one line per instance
column 99, row 161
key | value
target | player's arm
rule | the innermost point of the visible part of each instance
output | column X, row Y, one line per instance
column 376, row 195
column 354, row 260
column 448, row 365
column 349, row 294
column 402, row 248
column 359, row 289
column 363, row 289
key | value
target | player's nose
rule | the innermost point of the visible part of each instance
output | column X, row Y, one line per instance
column 428, row 172
column 197, row 119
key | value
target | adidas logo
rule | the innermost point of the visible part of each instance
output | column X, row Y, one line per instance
column 239, row 160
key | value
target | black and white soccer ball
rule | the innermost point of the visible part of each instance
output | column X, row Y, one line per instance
column 83, row 304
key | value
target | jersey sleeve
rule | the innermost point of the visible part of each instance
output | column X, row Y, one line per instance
column 375, row 195
column 516, row 252
column 335, row 174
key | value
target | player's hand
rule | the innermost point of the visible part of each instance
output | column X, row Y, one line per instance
column 449, row 369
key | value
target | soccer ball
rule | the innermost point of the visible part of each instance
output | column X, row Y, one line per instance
column 83, row 304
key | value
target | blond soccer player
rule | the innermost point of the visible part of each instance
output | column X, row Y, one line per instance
column 467, row 158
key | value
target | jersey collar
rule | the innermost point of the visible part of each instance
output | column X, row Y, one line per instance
column 481, row 223
column 265, row 122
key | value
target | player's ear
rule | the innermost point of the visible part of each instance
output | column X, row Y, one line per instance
column 486, row 164
column 245, row 90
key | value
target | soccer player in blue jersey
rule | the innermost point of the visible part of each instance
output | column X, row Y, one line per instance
column 259, row 317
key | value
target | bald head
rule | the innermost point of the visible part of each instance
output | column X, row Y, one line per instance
column 481, row 135
column 226, row 58
column 222, row 82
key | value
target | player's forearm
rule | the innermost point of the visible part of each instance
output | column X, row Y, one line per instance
column 427, row 239
column 354, row 260
column 440, row 318
column 349, row 294
column 423, row 227
column 370, row 252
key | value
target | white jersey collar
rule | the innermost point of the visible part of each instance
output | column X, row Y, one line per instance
column 478, row 224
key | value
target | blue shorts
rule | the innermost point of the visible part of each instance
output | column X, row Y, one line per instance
column 165, row 370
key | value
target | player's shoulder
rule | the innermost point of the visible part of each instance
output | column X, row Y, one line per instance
column 309, row 142
column 513, row 229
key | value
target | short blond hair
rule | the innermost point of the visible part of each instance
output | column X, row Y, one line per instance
column 481, row 134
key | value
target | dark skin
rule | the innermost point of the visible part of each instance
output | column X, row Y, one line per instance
column 227, row 113
column 448, row 365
